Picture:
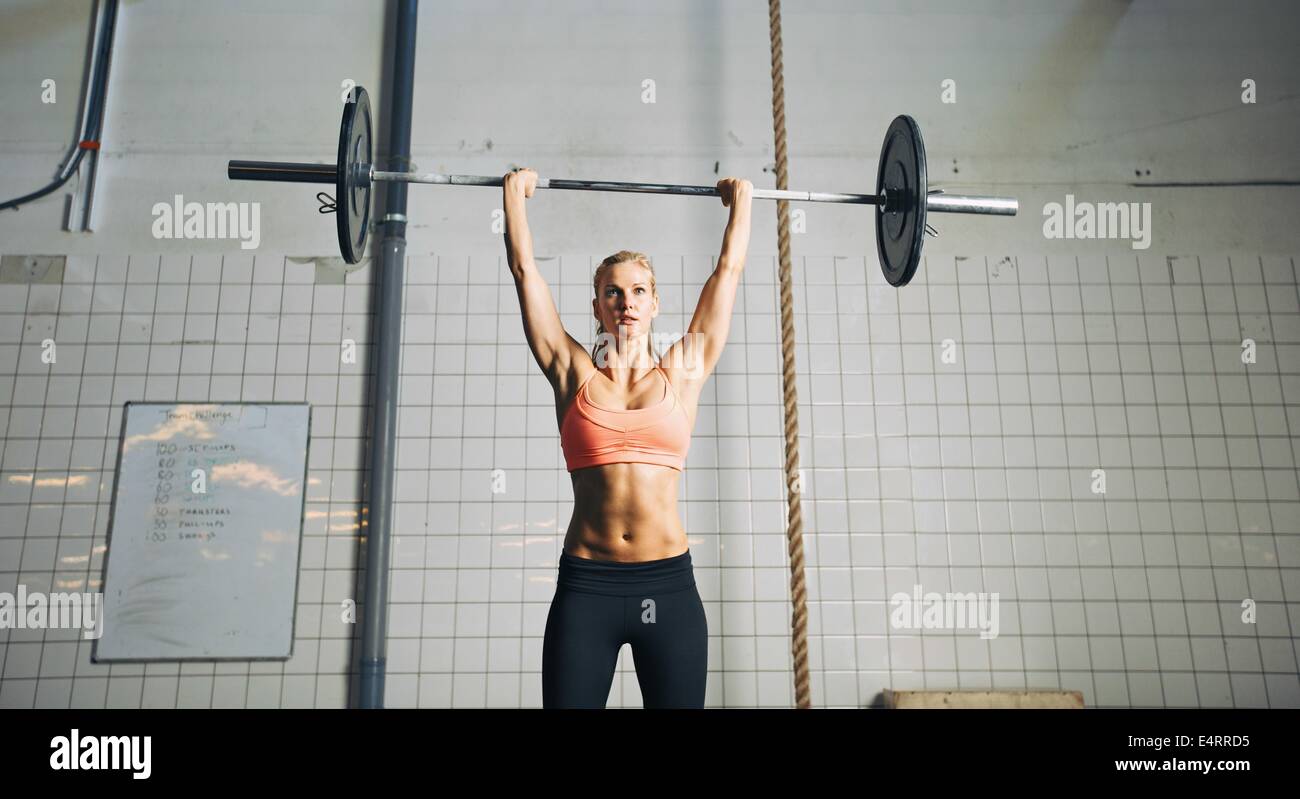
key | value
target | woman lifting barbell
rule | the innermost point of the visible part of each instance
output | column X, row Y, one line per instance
column 625, row 574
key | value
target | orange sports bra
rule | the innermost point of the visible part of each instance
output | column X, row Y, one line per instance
column 593, row 436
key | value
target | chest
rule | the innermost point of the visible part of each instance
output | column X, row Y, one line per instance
column 642, row 397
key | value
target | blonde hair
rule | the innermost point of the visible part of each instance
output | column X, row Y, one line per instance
column 622, row 257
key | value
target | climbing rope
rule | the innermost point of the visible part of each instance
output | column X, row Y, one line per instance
column 794, row 527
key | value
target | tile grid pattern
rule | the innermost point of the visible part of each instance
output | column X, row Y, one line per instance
column 973, row 476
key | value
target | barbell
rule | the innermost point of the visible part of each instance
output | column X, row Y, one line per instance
column 902, row 199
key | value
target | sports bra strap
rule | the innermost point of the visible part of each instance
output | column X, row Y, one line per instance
column 670, row 386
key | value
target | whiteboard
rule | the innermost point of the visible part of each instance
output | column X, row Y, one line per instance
column 203, row 565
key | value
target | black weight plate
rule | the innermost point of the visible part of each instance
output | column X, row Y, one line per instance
column 900, row 224
column 353, row 180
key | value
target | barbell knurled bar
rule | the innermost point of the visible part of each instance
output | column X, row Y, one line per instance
column 325, row 173
column 943, row 203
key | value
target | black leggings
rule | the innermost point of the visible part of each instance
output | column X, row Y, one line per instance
column 600, row 605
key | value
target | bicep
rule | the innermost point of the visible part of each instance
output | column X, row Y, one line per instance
column 553, row 348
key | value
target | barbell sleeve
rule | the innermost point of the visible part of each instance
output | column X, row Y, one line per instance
column 970, row 204
column 282, row 172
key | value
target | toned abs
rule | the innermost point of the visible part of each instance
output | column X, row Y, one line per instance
column 625, row 512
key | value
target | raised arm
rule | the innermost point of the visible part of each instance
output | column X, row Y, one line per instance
column 697, row 353
column 553, row 348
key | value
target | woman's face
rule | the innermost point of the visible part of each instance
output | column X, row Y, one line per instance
column 627, row 300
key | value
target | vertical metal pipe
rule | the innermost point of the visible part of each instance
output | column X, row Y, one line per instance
column 78, row 213
column 387, row 328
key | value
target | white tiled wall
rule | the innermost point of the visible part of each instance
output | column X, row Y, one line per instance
column 974, row 475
